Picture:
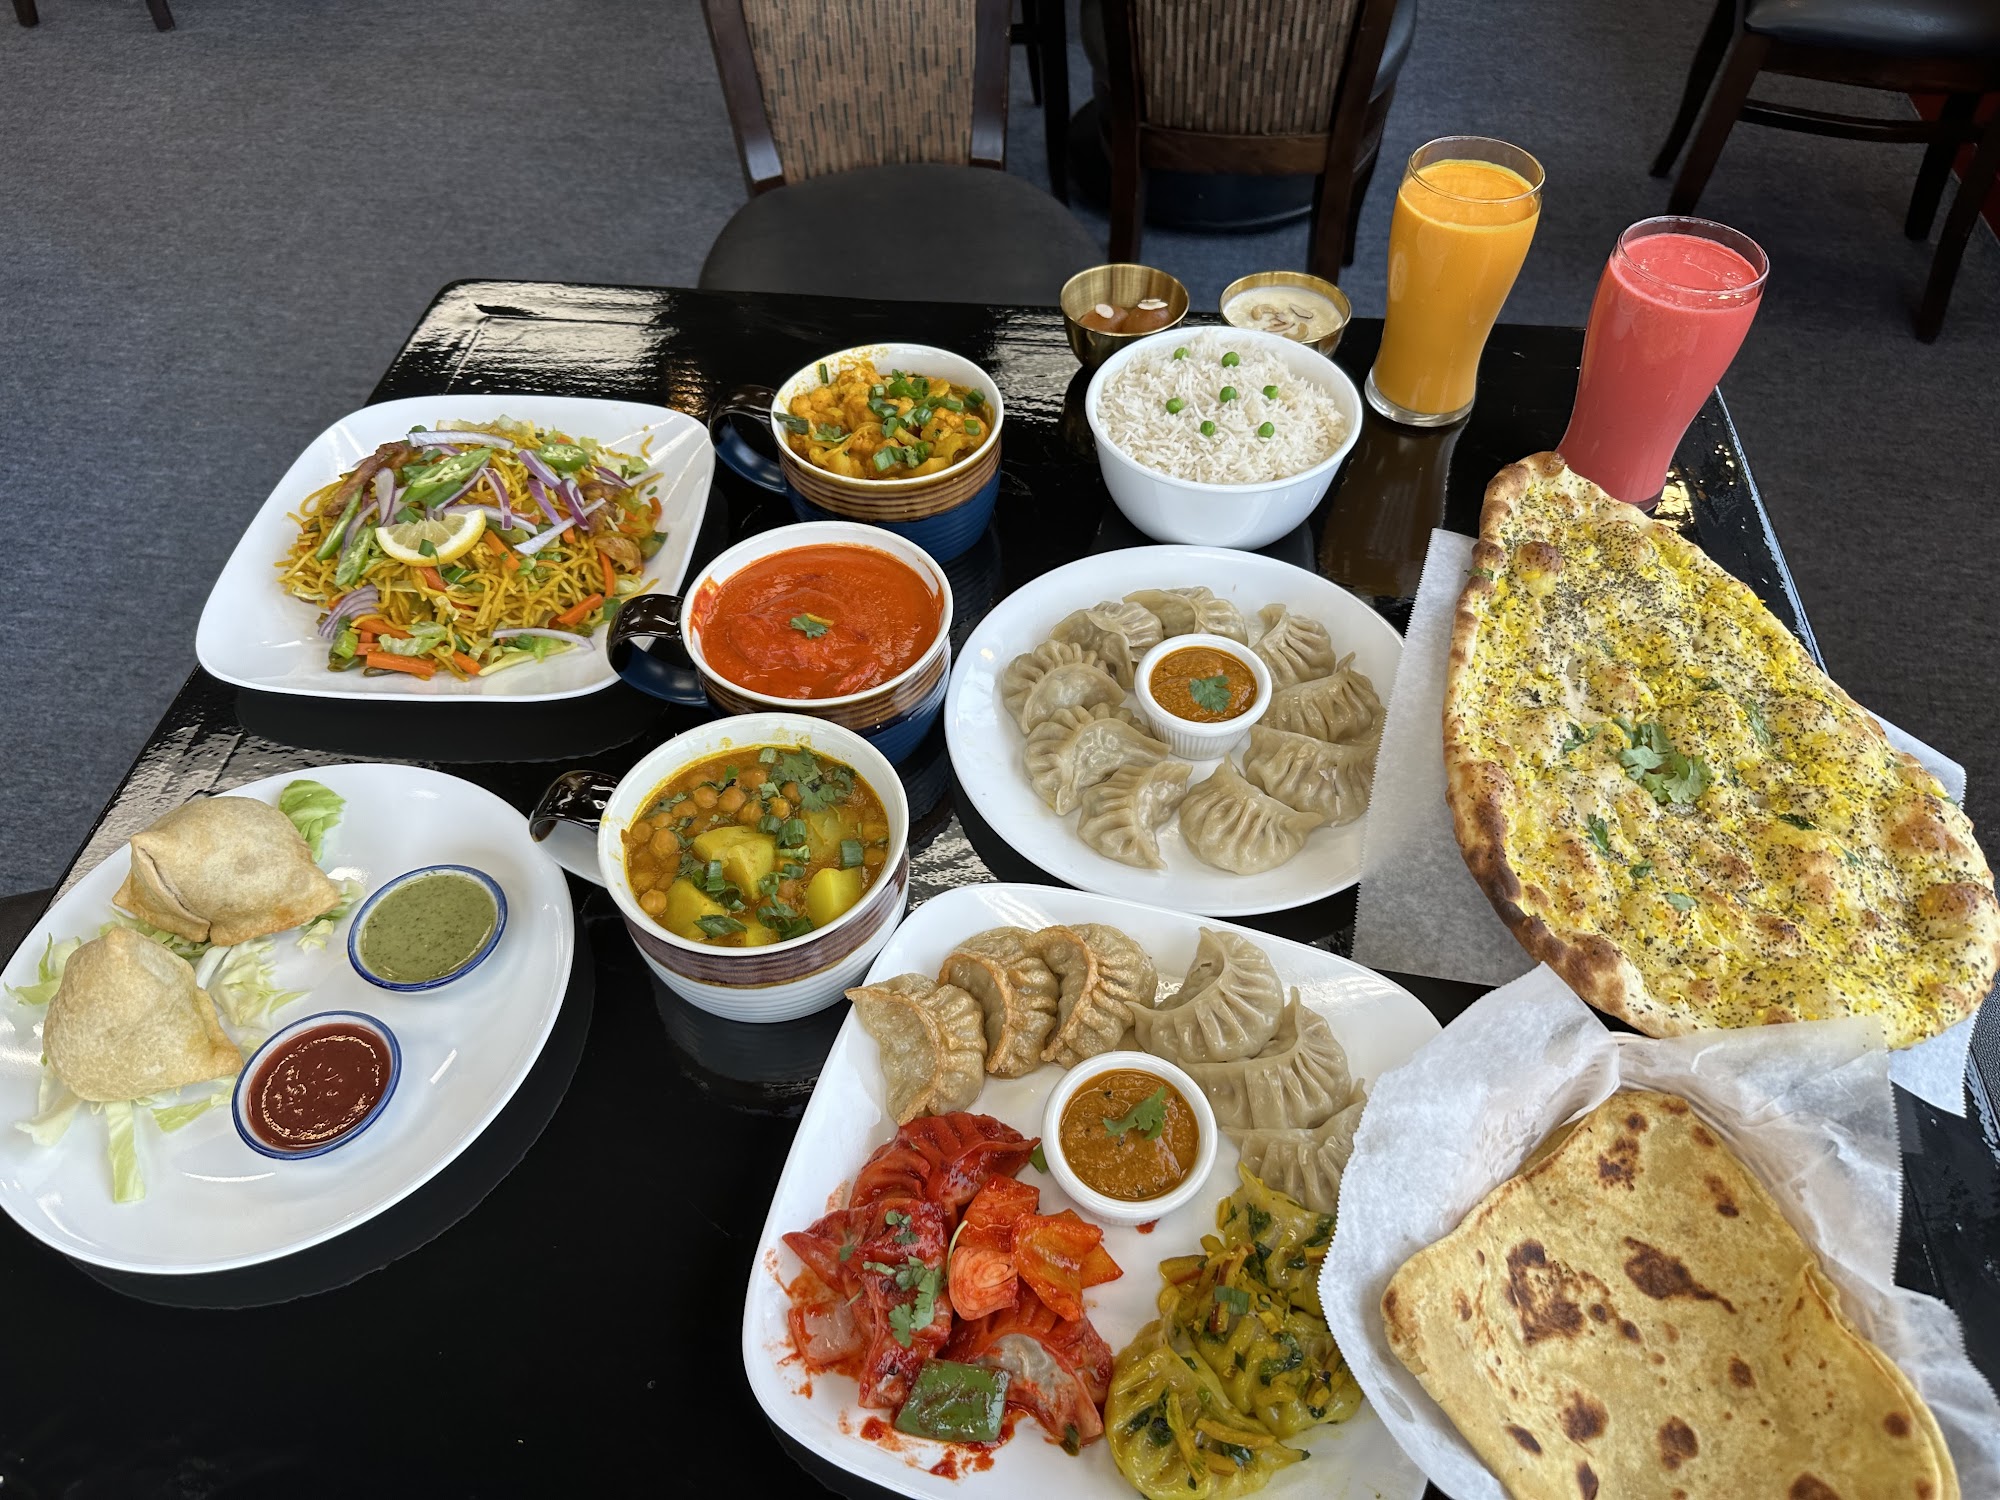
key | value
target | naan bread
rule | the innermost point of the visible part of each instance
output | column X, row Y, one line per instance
column 1002, row 969
column 224, row 870
column 1673, row 807
column 1632, row 1315
column 932, row 1042
column 128, row 1021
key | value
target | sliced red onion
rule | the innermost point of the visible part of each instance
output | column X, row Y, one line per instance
column 492, row 515
column 573, row 498
column 533, row 462
column 591, row 509
column 354, row 602
column 540, row 540
column 385, row 490
column 499, row 487
column 458, row 435
column 541, row 494
column 609, row 476
column 552, row 635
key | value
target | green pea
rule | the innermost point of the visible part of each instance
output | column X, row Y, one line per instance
column 1174, row 405
column 1229, row 393
column 1232, row 358
column 1266, row 430
column 1270, row 393
column 1181, row 353
column 1208, row 429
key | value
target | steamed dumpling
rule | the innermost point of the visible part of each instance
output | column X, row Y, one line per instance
column 1295, row 648
column 1072, row 685
column 1296, row 1082
column 1002, row 969
column 1118, row 630
column 1122, row 813
column 1228, row 823
column 224, row 870
column 1192, row 611
column 1029, row 668
column 1228, row 1005
column 128, row 1021
column 1105, row 977
column 1339, row 706
column 1306, row 1164
column 1075, row 749
column 932, row 1042
column 1312, row 775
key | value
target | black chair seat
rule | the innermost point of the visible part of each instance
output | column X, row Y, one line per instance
column 919, row 231
column 1893, row 28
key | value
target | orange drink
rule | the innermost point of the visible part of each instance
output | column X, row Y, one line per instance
column 1465, row 215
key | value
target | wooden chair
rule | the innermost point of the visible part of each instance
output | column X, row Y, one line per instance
column 1949, row 47
column 1044, row 32
column 873, row 140
column 1262, row 87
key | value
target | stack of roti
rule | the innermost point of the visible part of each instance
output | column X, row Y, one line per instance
column 1631, row 1315
column 1673, row 807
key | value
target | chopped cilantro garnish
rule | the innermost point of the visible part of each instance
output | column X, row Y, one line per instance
column 1600, row 834
column 1797, row 820
column 1757, row 725
column 1211, row 693
column 716, row 926
column 1642, row 869
column 1148, row 1116
column 1651, row 760
column 1234, row 1299
column 1680, row 902
column 812, row 627
column 1576, row 735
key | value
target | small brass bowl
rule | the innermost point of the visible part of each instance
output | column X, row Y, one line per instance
column 1327, row 343
column 1121, row 285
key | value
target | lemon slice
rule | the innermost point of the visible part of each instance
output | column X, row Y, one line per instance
column 450, row 538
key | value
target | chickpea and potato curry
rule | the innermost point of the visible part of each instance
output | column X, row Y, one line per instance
column 755, row 846
column 861, row 424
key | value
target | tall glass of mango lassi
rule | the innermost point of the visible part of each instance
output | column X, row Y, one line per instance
column 1465, row 214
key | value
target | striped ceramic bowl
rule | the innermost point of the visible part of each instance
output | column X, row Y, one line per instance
column 944, row 513
column 778, row 982
column 893, row 715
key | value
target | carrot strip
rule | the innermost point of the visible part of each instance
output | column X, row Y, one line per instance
column 433, row 578
column 511, row 563
column 416, row 666
column 376, row 625
column 610, row 578
column 656, row 510
column 494, row 544
column 578, row 610
column 466, row 664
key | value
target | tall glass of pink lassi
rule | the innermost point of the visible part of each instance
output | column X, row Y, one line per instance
column 1671, row 310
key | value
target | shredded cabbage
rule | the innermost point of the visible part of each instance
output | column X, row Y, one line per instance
column 128, row 1183
column 173, row 942
column 55, row 1107
column 425, row 637
column 242, row 986
column 313, row 936
column 313, row 808
column 48, row 973
column 171, row 1117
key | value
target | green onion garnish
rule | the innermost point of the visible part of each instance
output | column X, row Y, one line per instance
column 824, row 378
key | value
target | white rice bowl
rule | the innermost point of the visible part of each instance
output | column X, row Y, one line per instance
column 1308, row 424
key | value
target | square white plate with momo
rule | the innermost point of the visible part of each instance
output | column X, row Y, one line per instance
column 255, row 635
column 987, row 747
column 213, row 1204
column 1380, row 1024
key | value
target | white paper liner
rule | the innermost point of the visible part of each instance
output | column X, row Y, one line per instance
column 1421, row 912
column 1807, row 1107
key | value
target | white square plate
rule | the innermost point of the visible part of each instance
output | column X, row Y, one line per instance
column 1380, row 1025
column 986, row 747
column 254, row 634
column 213, row 1204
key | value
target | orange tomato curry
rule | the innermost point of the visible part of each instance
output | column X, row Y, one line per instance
column 817, row 622
column 1111, row 1150
column 1176, row 675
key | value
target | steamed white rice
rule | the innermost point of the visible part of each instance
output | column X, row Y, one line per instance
column 1307, row 424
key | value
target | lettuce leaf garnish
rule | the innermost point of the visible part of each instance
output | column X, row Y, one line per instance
column 48, row 973
column 313, row 809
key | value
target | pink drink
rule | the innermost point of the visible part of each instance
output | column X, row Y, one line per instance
column 1671, row 310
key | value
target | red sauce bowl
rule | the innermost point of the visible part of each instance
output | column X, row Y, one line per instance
column 316, row 1084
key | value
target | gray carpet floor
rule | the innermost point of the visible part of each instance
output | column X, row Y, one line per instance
column 211, row 242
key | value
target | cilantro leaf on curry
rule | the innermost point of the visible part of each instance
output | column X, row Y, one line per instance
column 1148, row 1116
column 1212, row 693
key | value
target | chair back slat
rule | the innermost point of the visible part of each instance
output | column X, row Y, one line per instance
column 1251, row 67
column 863, row 83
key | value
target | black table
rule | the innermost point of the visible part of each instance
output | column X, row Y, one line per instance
column 560, row 1313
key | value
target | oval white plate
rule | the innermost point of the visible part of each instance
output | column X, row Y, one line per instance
column 1380, row 1024
column 213, row 1204
column 986, row 747
column 254, row 634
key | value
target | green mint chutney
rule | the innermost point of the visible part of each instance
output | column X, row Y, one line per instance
column 427, row 927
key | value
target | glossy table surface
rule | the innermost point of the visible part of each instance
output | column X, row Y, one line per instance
column 560, row 1314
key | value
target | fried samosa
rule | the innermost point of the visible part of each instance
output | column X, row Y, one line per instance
column 224, row 870
column 128, row 1021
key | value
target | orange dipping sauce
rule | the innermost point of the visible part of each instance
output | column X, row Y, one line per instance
column 817, row 622
column 1175, row 675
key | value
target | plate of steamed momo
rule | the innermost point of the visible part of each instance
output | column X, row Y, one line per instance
column 1051, row 742
column 982, row 1001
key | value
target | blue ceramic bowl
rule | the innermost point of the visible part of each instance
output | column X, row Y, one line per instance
column 367, row 908
column 361, row 1022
